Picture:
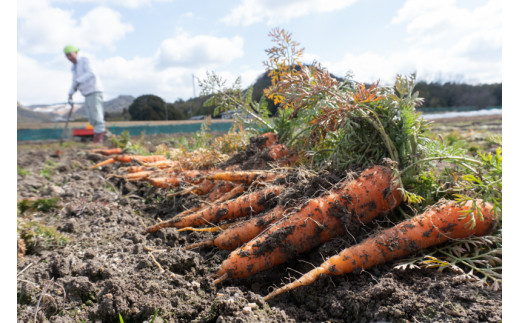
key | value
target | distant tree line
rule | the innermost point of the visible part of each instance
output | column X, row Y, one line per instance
column 152, row 107
column 459, row 95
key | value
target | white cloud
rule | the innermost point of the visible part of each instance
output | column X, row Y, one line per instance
column 442, row 24
column 122, row 3
column 42, row 83
column 431, row 65
column 43, row 29
column 200, row 50
column 445, row 43
column 276, row 12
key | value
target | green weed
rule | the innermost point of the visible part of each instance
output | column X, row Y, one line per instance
column 37, row 236
column 21, row 171
column 42, row 205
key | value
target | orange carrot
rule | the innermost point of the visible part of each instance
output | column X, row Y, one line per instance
column 165, row 182
column 438, row 225
column 161, row 163
column 240, row 233
column 271, row 139
column 242, row 206
column 233, row 193
column 227, row 196
column 318, row 221
column 138, row 176
column 107, row 152
column 278, row 151
column 210, row 229
column 288, row 160
column 244, row 177
column 129, row 159
column 134, row 169
column 204, row 187
column 220, row 188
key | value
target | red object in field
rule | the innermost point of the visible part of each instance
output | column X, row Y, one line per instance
column 82, row 132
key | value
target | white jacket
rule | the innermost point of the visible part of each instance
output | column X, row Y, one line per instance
column 83, row 78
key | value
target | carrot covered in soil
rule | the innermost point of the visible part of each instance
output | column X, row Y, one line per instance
column 138, row 176
column 166, row 163
column 134, row 169
column 242, row 206
column 129, row 159
column 240, row 233
column 438, row 225
column 271, row 139
column 235, row 192
column 109, row 151
column 219, row 189
column 245, row 177
column 174, row 180
column 201, row 189
column 278, row 151
column 359, row 200
column 165, row 181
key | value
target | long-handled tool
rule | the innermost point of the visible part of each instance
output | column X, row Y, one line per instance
column 67, row 123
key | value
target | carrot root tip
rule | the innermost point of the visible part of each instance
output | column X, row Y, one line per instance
column 220, row 279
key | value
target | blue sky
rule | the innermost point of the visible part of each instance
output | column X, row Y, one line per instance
column 155, row 46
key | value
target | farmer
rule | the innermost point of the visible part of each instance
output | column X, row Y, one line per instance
column 86, row 81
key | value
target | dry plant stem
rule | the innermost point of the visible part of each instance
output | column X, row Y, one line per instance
column 142, row 223
column 155, row 262
column 26, row 267
column 153, row 250
column 45, row 288
column 435, row 226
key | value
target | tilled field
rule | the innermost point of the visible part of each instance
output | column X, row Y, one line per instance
column 89, row 260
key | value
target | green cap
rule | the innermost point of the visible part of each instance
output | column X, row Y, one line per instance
column 70, row 49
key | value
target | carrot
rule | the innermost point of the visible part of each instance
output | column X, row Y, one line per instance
column 162, row 164
column 165, row 182
column 195, row 176
column 318, row 221
column 174, row 180
column 219, row 189
column 210, row 229
column 134, row 169
column 271, row 139
column 435, row 226
column 288, row 160
column 138, row 176
column 244, row 177
column 233, row 193
column 202, row 188
column 242, row 232
column 129, row 159
column 278, row 151
column 244, row 205
column 165, row 224
column 107, row 152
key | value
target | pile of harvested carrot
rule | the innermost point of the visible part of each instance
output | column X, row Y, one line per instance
column 243, row 207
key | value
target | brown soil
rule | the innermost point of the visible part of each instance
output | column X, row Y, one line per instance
column 109, row 267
